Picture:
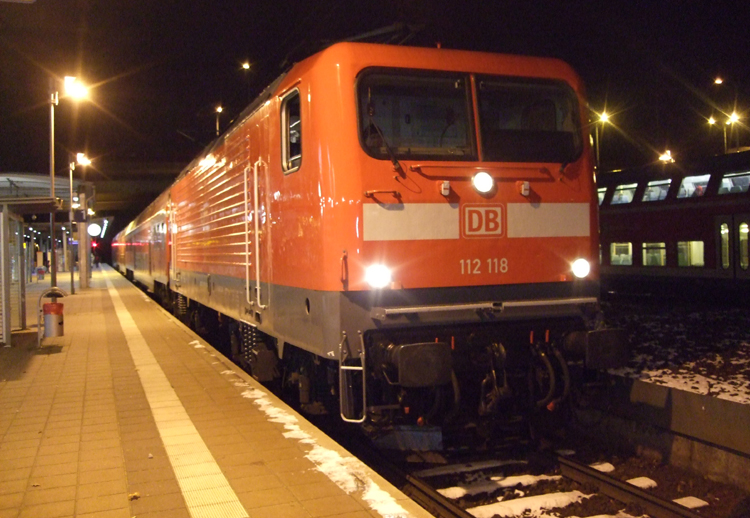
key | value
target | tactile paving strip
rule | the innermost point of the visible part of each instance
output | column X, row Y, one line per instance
column 206, row 490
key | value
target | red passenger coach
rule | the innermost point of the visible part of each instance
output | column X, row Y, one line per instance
column 682, row 226
column 399, row 231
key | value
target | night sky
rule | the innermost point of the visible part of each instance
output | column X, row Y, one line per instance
column 159, row 68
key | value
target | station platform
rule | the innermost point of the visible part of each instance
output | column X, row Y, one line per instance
column 131, row 414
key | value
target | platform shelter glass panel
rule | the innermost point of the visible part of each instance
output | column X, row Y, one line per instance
column 621, row 254
column 732, row 183
column 654, row 254
column 744, row 258
column 656, row 190
column 693, row 186
column 624, row 193
column 690, row 253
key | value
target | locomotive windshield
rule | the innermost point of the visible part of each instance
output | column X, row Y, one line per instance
column 422, row 115
column 528, row 121
column 415, row 116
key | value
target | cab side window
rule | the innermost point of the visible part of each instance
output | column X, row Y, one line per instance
column 291, row 132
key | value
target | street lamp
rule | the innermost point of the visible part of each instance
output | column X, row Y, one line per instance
column 731, row 120
column 666, row 157
column 603, row 119
column 77, row 91
column 219, row 109
column 83, row 161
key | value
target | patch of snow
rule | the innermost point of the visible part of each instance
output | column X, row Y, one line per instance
column 531, row 504
column 566, row 453
column 464, row 468
column 691, row 502
column 495, row 483
column 346, row 472
column 642, row 482
column 604, row 467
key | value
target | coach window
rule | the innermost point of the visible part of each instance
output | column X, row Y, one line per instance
column 734, row 183
column 724, row 231
column 621, row 254
column 693, row 186
column 291, row 132
column 654, row 254
column 656, row 190
column 690, row 253
column 624, row 193
column 744, row 259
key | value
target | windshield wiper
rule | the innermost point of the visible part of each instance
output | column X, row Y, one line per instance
column 394, row 160
column 370, row 114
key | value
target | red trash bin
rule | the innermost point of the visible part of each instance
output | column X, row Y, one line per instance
column 53, row 319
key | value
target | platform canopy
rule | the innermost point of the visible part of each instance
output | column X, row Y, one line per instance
column 29, row 193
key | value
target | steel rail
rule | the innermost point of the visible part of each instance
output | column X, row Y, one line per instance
column 430, row 499
column 624, row 492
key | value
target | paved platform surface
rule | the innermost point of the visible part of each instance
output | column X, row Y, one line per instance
column 130, row 414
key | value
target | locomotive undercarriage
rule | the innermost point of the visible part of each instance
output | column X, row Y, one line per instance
column 430, row 375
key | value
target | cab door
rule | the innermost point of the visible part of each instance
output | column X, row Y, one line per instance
column 740, row 228
column 258, row 260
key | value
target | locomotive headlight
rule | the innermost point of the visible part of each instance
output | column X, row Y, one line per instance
column 378, row 276
column 581, row 268
column 483, row 182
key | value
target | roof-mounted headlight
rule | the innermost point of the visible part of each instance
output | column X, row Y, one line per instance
column 483, row 182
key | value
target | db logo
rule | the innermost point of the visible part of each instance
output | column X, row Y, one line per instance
column 482, row 220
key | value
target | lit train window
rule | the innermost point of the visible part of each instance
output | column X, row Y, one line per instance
column 415, row 115
column 654, row 254
column 656, row 190
column 523, row 120
column 744, row 259
column 601, row 191
column 291, row 132
column 724, row 230
column 734, row 183
column 621, row 254
column 693, row 186
column 690, row 253
column 624, row 193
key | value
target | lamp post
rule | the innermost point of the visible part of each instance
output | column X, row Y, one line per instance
column 246, row 68
column 83, row 161
column 74, row 89
column 219, row 109
column 730, row 121
column 603, row 119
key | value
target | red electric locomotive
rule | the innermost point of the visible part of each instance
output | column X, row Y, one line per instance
column 399, row 231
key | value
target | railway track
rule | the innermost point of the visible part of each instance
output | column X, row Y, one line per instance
column 486, row 488
column 623, row 491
